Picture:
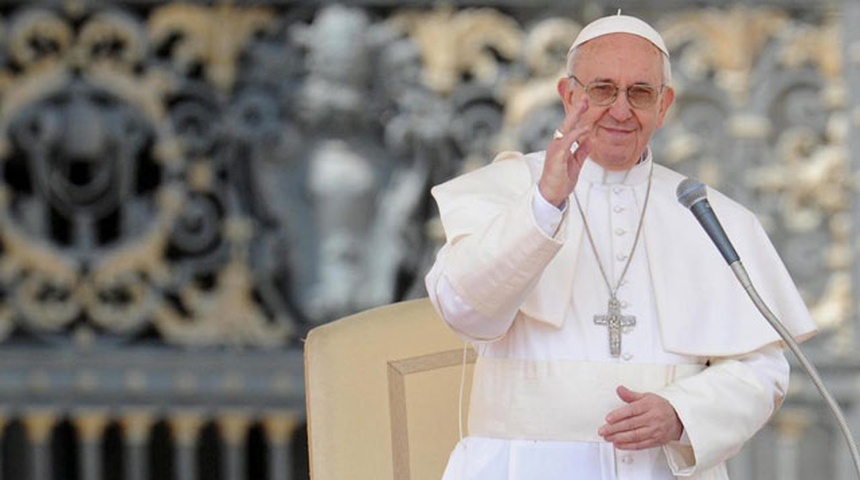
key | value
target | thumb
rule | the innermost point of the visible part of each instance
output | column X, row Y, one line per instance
column 627, row 395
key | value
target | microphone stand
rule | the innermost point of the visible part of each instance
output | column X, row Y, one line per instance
column 741, row 273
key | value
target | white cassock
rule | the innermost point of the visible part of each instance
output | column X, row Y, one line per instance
column 519, row 280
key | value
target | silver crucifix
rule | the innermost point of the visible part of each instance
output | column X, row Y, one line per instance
column 615, row 321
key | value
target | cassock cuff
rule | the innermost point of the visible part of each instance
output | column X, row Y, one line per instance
column 547, row 216
column 680, row 455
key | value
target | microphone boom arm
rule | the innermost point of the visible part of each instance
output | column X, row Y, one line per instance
column 742, row 276
column 692, row 195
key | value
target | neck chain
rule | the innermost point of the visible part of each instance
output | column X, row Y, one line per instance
column 614, row 320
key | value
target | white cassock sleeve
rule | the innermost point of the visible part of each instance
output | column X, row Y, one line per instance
column 468, row 322
column 724, row 406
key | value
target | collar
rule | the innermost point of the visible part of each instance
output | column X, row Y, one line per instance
column 594, row 173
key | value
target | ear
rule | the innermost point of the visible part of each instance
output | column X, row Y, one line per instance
column 566, row 93
column 666, row 101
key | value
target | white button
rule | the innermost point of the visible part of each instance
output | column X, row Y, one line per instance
column 621, row 257
column 628, row 459
column 618, row 209
column 620, row 231
column 627, row 356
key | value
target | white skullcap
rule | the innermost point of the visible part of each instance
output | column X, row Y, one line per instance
column 619, row 24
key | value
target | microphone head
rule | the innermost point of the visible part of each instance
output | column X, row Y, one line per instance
column 690, row 191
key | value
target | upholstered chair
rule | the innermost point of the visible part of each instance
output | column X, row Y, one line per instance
column 383, row 394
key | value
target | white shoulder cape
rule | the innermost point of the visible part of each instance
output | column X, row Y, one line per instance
column 701, row 307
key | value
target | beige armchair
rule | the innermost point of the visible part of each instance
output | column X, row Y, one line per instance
column 382, row 394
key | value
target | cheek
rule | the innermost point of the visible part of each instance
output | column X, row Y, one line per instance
column 592, row 117
column 649, row 123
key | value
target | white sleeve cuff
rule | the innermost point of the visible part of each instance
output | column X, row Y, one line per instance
column 547, row 216
column 681, row 458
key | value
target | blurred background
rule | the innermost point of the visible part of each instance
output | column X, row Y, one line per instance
column 186, row 188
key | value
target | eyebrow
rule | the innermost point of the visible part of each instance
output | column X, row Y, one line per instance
column 609, row 80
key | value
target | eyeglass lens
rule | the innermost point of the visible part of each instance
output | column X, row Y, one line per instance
column 604, row 93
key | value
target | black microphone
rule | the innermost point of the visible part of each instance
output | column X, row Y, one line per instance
column 692, row 194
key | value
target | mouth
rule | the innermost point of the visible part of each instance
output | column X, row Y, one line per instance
column 617, row 133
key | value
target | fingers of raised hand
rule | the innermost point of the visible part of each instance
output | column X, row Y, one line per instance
column 571, row 140
column 571, row 119
column 563, row 159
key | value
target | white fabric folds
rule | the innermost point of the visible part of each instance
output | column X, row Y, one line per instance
column 556, row 400
column 701, row 308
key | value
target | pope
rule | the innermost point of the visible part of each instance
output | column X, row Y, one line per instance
column 613, row 341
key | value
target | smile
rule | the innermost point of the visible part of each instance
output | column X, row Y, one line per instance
column 614, row 131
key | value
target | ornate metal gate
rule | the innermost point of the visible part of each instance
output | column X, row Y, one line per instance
column 187, row 188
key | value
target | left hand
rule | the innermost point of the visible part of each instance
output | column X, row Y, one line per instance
column 647, row 421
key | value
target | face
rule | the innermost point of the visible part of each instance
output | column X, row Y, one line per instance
column 619, row 132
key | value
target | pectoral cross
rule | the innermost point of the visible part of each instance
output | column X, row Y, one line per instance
column 615, row 321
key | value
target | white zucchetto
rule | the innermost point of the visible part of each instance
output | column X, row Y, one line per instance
column 619, row 24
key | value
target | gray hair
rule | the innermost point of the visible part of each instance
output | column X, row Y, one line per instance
column 573, row 55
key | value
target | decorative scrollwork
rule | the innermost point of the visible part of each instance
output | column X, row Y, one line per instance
column 109, row 211
column 230, row 175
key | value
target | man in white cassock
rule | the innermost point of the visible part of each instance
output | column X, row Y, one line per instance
column 613, row 341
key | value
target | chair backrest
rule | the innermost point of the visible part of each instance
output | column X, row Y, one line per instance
column 382, row 390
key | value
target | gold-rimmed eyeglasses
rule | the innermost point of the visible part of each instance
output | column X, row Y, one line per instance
column 602, row 93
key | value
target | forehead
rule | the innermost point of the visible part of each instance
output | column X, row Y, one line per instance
column 624, row 54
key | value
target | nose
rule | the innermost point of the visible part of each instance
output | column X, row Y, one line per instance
column 620, row 109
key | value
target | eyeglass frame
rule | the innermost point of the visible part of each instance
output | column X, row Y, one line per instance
column 659, row 91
